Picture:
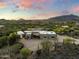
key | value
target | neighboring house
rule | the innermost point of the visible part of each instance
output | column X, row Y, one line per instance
column 38, row 34
column 1, row 26
column 65, row 26
column 33, row 29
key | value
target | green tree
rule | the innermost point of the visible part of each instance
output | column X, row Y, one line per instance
column 12, row 38
column 3, row 41
column 25, row 52
column 68, row 40
column 16, row 48
column 71, row 23
column 46, row 49
column 46, row 45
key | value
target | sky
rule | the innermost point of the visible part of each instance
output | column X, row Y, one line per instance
column 37, row 9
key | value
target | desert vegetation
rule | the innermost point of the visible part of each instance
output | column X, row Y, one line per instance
column 12, row 48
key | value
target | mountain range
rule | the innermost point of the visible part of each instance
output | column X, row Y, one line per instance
column 63, row 18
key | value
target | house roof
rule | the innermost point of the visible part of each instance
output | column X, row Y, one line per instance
column 47, row 32
column 20, row 32
column 41, row 32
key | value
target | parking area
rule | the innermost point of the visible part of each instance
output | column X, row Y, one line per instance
column 34, row 44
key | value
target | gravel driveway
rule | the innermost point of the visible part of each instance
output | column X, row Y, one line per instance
column 34, row 44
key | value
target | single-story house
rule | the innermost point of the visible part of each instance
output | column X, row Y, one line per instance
column 38, row 34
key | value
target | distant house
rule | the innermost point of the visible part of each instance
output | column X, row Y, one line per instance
column 33, row 29
column 65, row 26
column 1, row 26
column 37, row 34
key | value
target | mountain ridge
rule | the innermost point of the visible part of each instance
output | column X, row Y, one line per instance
column 62, row 18
column 65, row 18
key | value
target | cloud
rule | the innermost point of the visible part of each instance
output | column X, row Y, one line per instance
column 75, row 9
column 1, row 0
column 65, row 12
column 2, row 5
column 25, row 4
column 14, row 0
column 41, row 1
column 65, row 0
column 45, row 15
column 38, row 4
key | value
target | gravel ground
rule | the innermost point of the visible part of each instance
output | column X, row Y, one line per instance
column 34, row 44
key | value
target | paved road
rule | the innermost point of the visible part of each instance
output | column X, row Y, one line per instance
column 33, row 44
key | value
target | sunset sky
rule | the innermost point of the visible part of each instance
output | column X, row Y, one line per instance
column 37, row 9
